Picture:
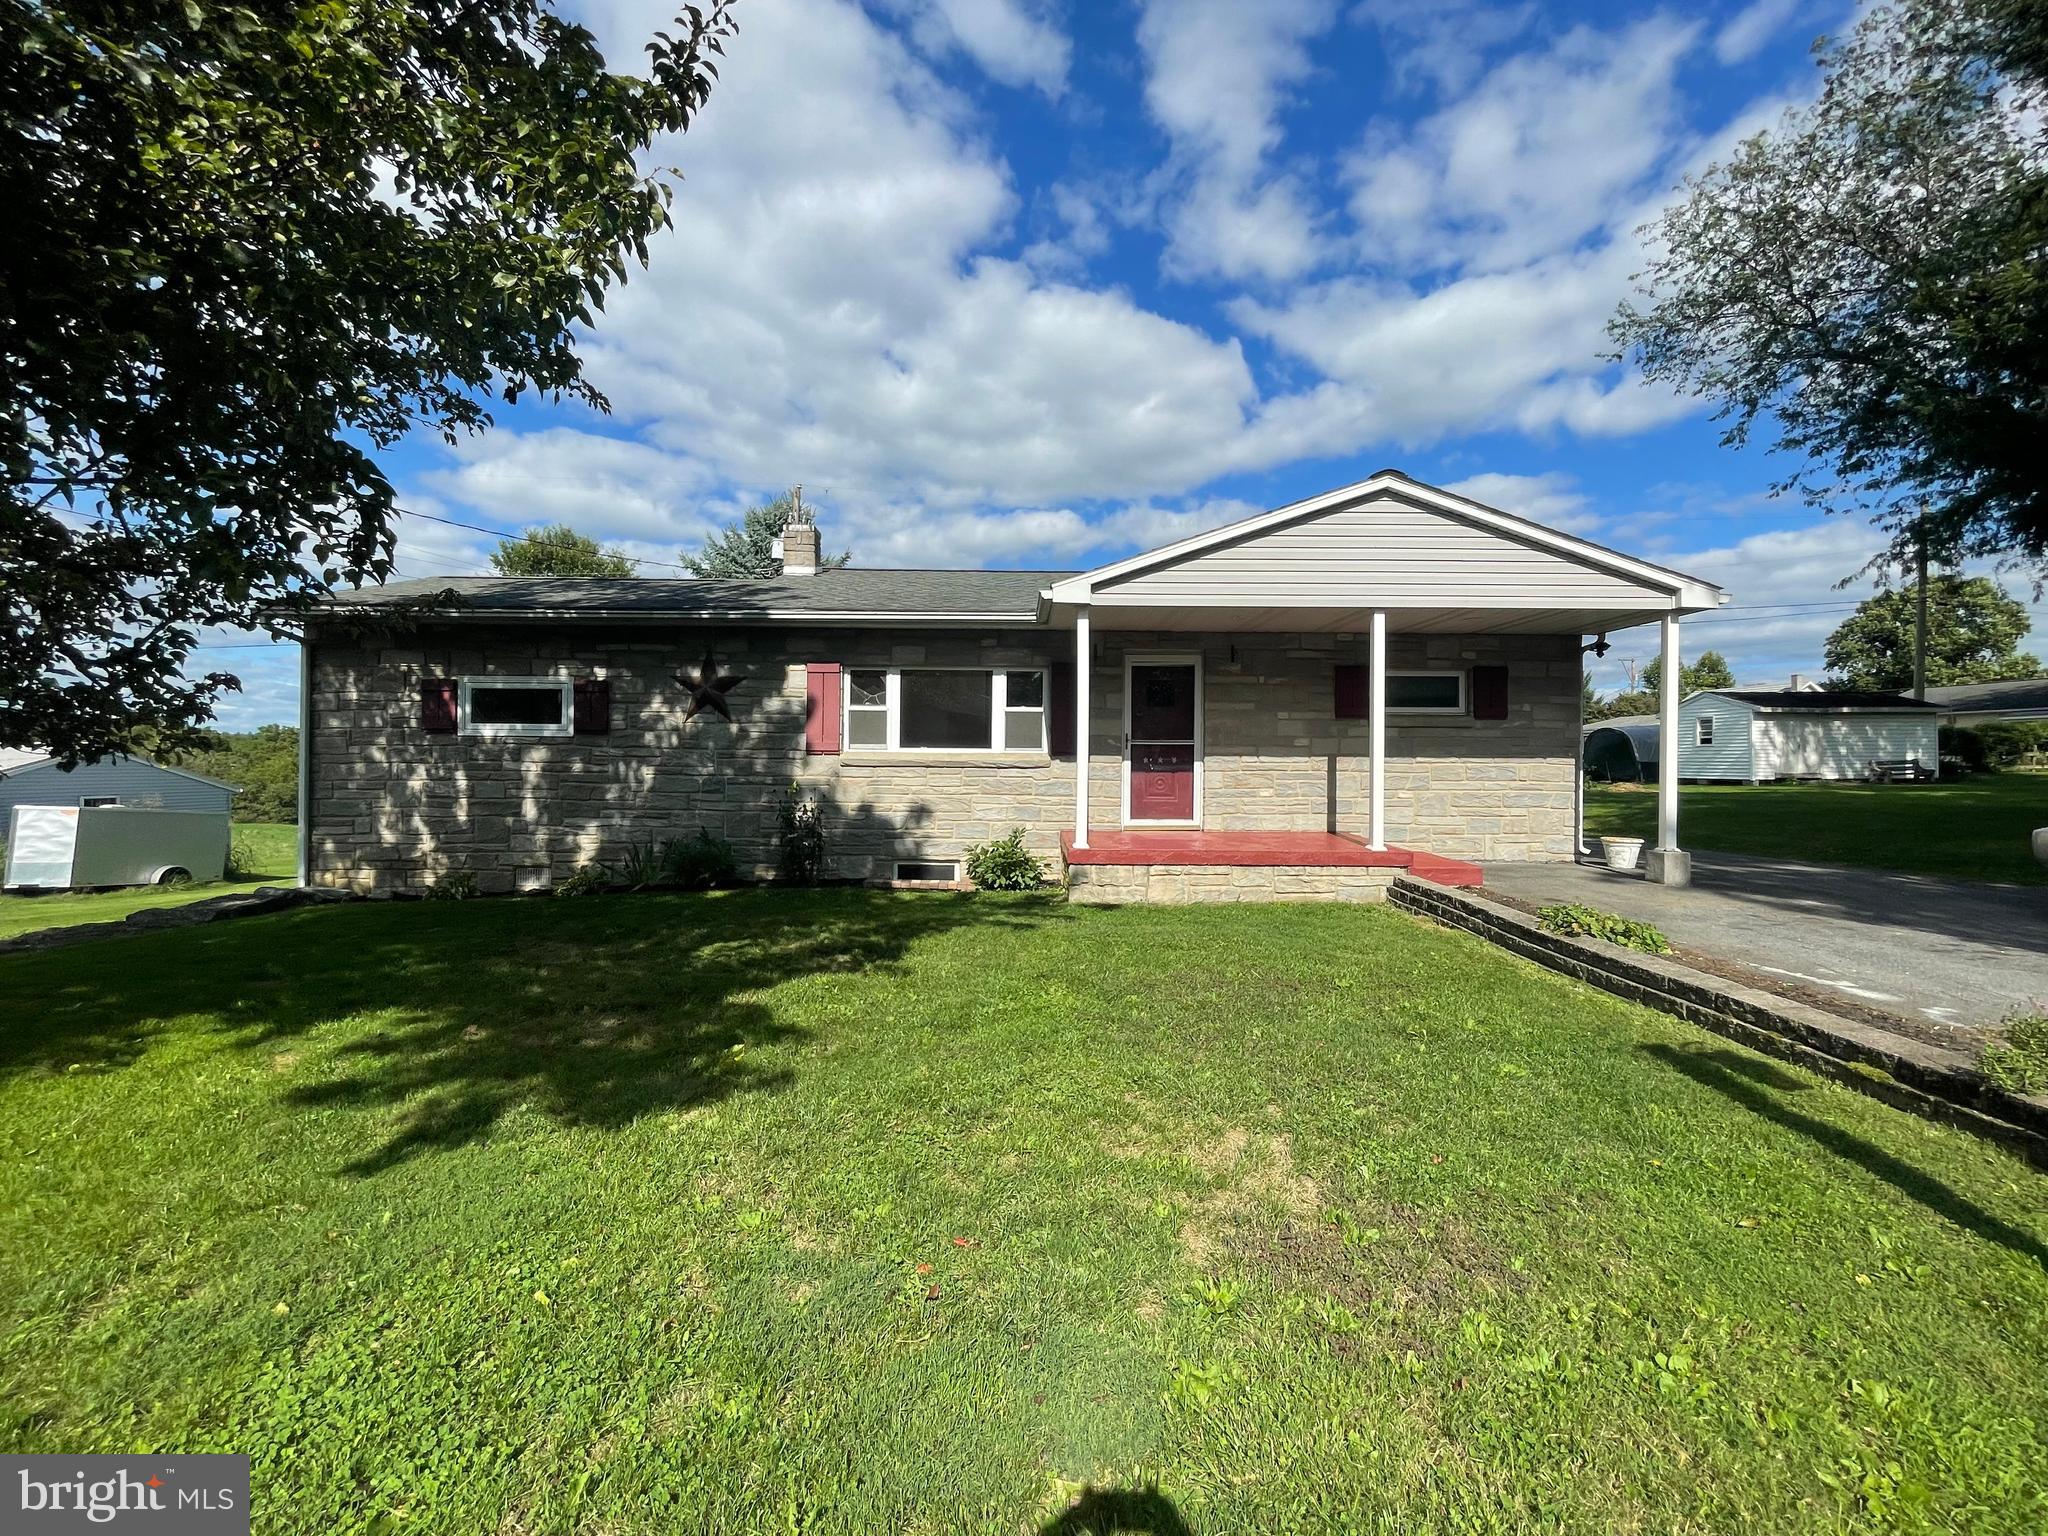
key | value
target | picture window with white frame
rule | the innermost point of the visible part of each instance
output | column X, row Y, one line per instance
column 945, row 709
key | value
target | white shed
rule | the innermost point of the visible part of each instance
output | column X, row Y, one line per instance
column 1748, row 734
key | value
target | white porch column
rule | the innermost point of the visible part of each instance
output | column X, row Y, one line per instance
column 1376, row 714
column 1667, row 863
column 1081, row 726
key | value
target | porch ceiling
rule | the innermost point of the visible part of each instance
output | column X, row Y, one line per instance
column 1235, row 619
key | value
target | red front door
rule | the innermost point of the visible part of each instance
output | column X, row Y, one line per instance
column 1162, row 741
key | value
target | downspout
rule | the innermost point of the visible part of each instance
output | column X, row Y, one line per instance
column 306, row 757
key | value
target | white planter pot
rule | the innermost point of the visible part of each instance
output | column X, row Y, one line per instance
column 1622, row 852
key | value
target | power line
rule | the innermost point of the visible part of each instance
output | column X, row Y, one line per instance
column 500, row 533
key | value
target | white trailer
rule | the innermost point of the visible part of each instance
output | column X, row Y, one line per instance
column 66, row 847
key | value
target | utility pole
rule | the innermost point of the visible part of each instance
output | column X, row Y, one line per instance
column 1920, row 607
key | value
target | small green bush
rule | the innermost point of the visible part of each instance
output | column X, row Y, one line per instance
column 696, row 863
column 242, row 859
column 1577, row 922
column 803, row 838
column 588, row 880
column 1005, row 864
column 2020, row 1063
column 455, row 885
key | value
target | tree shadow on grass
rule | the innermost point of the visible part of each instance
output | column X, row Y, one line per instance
column 1755, row 1085
column 593, row 1012
column 1108, row 1511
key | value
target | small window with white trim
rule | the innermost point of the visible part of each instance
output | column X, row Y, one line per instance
column 928, row 870
column 944, row 709
column 93, row 802
column 517, row 706
column 1426, row 693
column 867, row 708
column 1703, row 731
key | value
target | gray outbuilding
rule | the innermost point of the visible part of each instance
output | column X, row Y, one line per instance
column 30, row 777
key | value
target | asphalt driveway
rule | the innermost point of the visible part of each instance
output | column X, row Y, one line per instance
column 1942, row 951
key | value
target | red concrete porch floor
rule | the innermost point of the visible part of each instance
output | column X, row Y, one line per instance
column 1280, row 850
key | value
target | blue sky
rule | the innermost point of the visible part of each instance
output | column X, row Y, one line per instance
column 1039, row 282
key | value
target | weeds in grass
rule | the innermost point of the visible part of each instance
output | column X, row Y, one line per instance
column 454, row 885
column 2019, row 1063
column 1581, row 922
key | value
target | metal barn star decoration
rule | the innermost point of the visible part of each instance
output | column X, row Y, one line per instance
column 708, row 689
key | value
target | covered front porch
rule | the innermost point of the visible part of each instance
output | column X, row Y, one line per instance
column 1384, row 675
column 1181, row 866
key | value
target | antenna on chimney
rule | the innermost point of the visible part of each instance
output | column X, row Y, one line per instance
column 799, row 538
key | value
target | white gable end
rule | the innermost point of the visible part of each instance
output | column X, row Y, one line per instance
column 1387, row 551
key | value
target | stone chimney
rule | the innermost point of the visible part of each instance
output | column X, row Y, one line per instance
column 799, row 539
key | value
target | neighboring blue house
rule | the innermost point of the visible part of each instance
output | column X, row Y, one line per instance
column 29, row 777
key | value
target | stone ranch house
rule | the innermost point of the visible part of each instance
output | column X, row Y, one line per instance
column 1304, row 703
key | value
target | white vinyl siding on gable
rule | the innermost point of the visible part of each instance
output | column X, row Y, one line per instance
column 1385, row 552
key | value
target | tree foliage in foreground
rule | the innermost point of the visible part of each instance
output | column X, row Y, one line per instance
column 1870, row 279
column 556, row 550
column 247, row 247
column 1973, row 635
column 747, row 547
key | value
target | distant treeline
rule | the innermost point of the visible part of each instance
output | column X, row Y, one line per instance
column 263, row 764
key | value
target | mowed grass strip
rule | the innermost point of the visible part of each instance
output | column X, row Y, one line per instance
column 846, row 1212
column 1972, row 829
column 270, row 846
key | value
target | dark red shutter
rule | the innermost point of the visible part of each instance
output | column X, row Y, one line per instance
column 593, row 706
column 1059, row 701
column 821, row 709
column 1489, row 693
column 1354, row 691
column 437, row 705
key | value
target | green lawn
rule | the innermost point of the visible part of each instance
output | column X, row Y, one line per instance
column 859, row 1212
column 272, row 847
column 1973, row 829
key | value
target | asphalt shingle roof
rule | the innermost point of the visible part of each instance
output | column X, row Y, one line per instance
column 971, row 594
column 1787, row 698
column 2020, row 693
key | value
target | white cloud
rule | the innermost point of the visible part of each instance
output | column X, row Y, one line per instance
column 1551, row 498
column 822, row 311
column 1017, row 43
column 1516, row 349
column 579, row 478
column 1540, row 154
column 1442, row 43
column 1217, row 78
column 1744, row 35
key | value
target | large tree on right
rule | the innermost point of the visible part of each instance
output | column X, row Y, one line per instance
column 1973, row 636
column 1869, row 281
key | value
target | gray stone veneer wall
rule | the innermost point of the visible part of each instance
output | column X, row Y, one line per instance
column 394, row 807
